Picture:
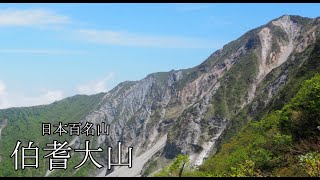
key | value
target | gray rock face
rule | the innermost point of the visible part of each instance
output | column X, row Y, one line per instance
column 182, row 104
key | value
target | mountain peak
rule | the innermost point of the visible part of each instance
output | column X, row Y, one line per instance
column 188, row 111
column 293, row 18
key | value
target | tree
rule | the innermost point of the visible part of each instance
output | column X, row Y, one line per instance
column 177, row 167
column 311, row 163
column 244, row 170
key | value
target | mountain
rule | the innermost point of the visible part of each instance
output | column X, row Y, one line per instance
column 191, row 111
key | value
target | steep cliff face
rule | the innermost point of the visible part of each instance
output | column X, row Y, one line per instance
column 192, row 107
column 187, row 111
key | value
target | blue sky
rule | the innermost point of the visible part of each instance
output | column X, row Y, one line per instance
column 52, row 51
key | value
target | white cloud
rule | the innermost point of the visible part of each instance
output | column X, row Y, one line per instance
column 95, row 87
column 48, row 18
column 45, row 98
column 30, row 17
column 8, row 100
column 3, row 95
column 2, row 88
column 131, row 39
column 19, row 99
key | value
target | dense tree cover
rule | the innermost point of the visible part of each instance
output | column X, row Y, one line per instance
column 25, row 124
column 283, row 143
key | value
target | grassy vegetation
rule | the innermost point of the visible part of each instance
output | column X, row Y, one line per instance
column 234, row 86
column 25, row 124
column 176, row 168
column 283, row 140
column 278, row 145
column 304, row 66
